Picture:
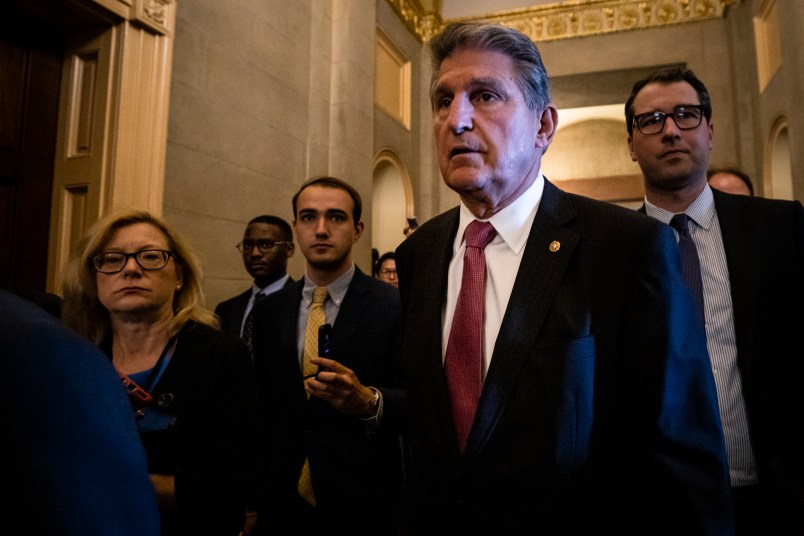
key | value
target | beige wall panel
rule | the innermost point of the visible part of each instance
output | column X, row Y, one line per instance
column 589, row 149
column 81, row 169
column 249, row 121
column 73, row 212
column 112, row 129
column 142, row 116
column 698, row 45
column 352, row 111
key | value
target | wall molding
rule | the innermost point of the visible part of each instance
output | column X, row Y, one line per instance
column 574, row 18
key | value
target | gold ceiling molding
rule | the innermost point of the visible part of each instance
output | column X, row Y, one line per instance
column 573, row 18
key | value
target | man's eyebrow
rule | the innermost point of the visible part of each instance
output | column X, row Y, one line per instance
column 486, row 81
column 675, row 107
column 328, row 212
column 472, row 85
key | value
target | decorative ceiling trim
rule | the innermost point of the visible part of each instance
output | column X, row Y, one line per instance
column 574, row 18
column 422, row 22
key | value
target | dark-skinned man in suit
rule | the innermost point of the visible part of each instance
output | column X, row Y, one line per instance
column 266, row 247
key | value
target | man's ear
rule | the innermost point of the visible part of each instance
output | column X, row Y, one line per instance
column 358, row 232
column 291, row 248
column 631, row 148
column 548, row 121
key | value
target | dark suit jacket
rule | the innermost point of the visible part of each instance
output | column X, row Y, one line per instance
column 231, row 311
column 598, row 413
column 355, row 477
column 208, row 390
column 74, row 465
column 764, row 244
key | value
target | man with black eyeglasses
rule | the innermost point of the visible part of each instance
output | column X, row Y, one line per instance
column 749, row 280
column 266, row 247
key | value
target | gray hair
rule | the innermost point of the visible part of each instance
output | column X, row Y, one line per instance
column 531, row 74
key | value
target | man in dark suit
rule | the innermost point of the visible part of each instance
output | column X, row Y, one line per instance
column 74, row 462
column 597, row 411
column 750, row 253
column 266, row 247
column 342, row 423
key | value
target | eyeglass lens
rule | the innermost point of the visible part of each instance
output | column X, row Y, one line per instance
column 685, row 117
column 262, row 245
column 114, row 261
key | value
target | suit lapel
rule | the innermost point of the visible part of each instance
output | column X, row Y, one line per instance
column 425, row 292
column 740, row 244
column 350, row 317
column 548, row 251
column 287, row 322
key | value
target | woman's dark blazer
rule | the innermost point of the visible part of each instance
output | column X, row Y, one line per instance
column 208, row 387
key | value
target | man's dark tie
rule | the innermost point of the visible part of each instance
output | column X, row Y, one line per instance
column 248, row 327
column 464, row 360
column 690, row 265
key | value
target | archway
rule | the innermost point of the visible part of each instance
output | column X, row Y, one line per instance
column 392, row 201
column 777, row 168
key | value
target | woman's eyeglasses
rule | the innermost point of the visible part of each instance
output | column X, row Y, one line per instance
column 111, row 262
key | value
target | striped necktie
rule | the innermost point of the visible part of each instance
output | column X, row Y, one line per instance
column 690, row 264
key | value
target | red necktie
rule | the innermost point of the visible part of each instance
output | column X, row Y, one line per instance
column 464, row 360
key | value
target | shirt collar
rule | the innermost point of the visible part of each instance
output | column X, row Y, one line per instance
column 701, row 211
column 336, row 290
column 270, row 289
column 512, row 223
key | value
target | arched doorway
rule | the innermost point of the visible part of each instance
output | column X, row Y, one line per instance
column 777, row 169
column 392, row 201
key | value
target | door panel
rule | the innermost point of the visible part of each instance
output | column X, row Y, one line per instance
column 30, row 72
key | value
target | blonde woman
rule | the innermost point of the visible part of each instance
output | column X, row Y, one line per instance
column 134, row 288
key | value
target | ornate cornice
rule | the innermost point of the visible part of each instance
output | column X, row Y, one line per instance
column 154, row 14
column 422, row 22
column 574, row 18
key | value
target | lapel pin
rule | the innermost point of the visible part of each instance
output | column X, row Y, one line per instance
column 555, row 245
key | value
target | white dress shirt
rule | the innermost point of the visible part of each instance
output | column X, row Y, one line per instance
column 503, row 256
column 721, row 341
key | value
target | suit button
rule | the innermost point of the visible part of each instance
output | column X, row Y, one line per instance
column 164, row 400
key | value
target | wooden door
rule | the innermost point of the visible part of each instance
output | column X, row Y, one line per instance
column 30, row 72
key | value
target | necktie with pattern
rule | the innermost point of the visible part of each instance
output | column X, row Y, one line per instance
column 248, row 326
column 464, row 359
column 315, row 319
column 690, row 264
